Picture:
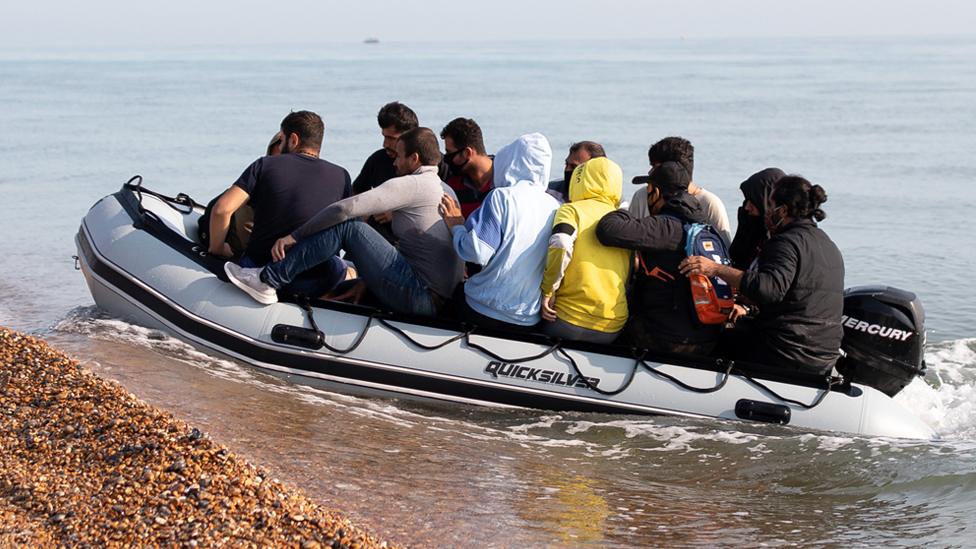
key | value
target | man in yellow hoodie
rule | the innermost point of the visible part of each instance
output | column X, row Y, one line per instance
column 583, row 287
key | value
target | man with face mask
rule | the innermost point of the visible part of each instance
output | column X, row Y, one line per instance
column 469, row 166
column 285, row 191
column 750, row 234
column 662, row 313
column 579, row 152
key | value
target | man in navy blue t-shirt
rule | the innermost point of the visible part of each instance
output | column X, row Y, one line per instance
column 285, row 191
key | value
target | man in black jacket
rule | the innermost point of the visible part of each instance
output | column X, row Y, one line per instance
column 798, row 284
column 662, row 314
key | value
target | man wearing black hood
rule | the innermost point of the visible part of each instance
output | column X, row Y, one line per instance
column 663, row 317
column 751, row 234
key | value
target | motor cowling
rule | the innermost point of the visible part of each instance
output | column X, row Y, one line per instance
column 884, row 338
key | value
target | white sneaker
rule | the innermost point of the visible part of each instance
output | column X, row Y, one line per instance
column 249, row 280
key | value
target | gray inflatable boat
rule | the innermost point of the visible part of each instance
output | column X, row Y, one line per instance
column 142, row 261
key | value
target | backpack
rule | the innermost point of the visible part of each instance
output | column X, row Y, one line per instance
column 239, row 232
column 712, row 297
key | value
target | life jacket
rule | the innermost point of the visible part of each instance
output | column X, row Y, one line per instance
column 713, row 297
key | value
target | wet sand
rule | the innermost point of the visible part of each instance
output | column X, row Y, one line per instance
column 83, row 462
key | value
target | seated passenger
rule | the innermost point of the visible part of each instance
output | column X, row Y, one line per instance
column 579, row 152
column 274, row 146
column 508, row 237
column 680, row 150
column 662, row 313
column 241, row 222
column 393, row 119
column 417, row 276
column 468, row 164
column 750, row 234
column 583, row 287
column 798, row 284
column 284, row 191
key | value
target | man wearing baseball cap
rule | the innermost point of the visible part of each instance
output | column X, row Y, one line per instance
column 662, row 315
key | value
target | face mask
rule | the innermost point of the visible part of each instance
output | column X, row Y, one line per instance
column 455, row 170
column 452, row 168
column 567, row 175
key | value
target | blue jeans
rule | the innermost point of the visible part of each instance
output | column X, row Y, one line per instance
column 315, row 283
column 387, row 274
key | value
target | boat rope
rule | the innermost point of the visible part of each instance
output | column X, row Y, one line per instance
column 683, row 385
column 135, row 185
column 413, row 341
column 831, row 381
column 552, row 349
column 623, row 387
column 307, row 307
column 640, row 362
column 557, row 347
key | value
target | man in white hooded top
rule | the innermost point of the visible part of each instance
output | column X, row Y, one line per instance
column 508, row 235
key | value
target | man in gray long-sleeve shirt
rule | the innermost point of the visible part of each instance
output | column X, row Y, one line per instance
column 416, row 277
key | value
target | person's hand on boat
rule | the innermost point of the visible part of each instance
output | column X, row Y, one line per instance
column 698, row 265
column 451, row 212
column 549, row 308
column 281, row 246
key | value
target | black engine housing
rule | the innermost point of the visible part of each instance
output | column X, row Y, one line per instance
column 884, row 338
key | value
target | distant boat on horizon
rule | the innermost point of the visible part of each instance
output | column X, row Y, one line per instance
column 371, row 41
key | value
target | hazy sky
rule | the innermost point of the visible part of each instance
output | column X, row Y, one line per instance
column 39, row 24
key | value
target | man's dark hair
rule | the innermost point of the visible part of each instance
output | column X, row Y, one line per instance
column 423, row 142
column 465, row 132
column 307, row 125
column 673, row 149
column 595, row 149
column 671, row 178
column 801, row 198
column 398, row 116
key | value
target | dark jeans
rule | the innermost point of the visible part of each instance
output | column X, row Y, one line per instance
column 313, row 283
column 386, row 272
column 571, row 332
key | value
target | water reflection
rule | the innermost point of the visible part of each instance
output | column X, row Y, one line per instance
column 568, row 507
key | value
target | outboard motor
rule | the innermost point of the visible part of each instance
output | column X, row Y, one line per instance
column 884, row 336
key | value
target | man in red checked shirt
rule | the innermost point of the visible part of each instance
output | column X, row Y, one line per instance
column 469, row 166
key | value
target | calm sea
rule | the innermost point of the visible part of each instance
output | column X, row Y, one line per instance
column 886, row 126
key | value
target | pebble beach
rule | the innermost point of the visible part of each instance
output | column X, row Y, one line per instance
column 85, row 463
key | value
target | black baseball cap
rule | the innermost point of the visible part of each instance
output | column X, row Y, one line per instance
column 669, row 177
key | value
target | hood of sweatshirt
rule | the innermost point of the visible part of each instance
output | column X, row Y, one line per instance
column 527, row 160
column 600, row 179
column 685, row 206
column 759, row 185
